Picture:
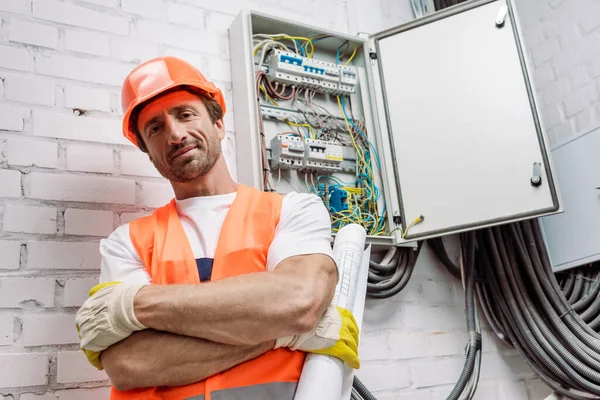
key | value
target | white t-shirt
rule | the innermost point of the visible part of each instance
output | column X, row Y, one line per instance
column 303, row 228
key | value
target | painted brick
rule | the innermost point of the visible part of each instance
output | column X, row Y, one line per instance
column 23, row 369
column 596, row 66
column 421, row 395
column 105, row 3
column 185, row 15
column 552, row 116
column 81, row 188
column 11, row 118
column 219, row 69
column 588, row 20
column 496, row 366
column 563, row 131
column 135, row 51
column 87, row 98
column 231, row 7
column 435, row 292
column 128, row 217
column 90, row 158
column 69, row 126
column 14, row 58
column 49, row 330
column 446, row 372
column 578, row 76
column 545, row 51
column 384, row 376
column 447, row 344
column 20, row 292
column 198, row 60
column 538, row 389
column 154, row 194
column 10, row 183
column 148, row 8
column 63, row 255
column 574, row 104
column 382, row 315
column 29, row 90
column 11, row 254
column 27, row 152
column 76, row 291
column 177, row 36
column 7, row 325
column 408, row 345
column 512, row 390
column 74, row 367
column 374, row 346
column 80, row 69
column 29, row 219
column 586, row 120
column 84, row 41
column 71, row 14
column 16, row 6
column 135, row 162
column 33, row 33
column 88, row 222
column 438, row 318
column 101, row 393
column 555, row 91
column 219, row 22
column 543, row 74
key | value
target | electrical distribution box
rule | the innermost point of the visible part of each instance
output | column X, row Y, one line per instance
column 426, row 129
column 572, row 237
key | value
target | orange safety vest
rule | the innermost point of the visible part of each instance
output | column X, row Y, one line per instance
column 247, row 232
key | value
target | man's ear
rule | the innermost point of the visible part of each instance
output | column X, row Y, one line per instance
column 220, row 127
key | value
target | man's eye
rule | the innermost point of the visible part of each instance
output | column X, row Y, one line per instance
column 154, row 129
column 186, row 115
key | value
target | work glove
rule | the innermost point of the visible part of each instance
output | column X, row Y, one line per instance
column 107, row 317
column 335, row 335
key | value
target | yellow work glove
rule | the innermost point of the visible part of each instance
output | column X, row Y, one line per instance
column 335, row 335
column 106, row 318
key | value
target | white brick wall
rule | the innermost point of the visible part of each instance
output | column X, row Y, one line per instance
column 562, row 38
column 56, row 56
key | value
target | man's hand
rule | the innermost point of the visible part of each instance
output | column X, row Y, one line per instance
column 107, row 317
column 335, row 335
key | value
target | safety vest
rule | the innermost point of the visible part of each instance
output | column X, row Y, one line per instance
column 247, row 232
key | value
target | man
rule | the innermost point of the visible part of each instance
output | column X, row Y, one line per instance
column 264, row 262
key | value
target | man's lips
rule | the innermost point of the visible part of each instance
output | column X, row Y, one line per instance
column 182, row 151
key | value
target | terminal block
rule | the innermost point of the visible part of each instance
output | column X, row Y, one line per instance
column 303, row 72
column 287, row 152
column 322, row 156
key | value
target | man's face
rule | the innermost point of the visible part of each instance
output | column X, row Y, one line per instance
column 182, row 142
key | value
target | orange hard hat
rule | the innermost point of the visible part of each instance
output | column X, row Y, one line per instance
column 156, row 76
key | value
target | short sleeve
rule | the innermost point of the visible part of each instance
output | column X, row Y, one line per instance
column 304, row 228
column 120, row 261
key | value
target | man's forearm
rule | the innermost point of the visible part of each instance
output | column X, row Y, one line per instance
column 134, row 362
column 245, row 309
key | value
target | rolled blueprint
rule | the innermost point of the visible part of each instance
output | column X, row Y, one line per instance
column 325, row 377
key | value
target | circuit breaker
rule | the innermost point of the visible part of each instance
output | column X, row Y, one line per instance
column 434, row 118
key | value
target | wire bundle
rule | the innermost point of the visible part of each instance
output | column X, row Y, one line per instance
column 390, row 276
column 527, row 308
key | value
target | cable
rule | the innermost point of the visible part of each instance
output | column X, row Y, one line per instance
column 361, row 389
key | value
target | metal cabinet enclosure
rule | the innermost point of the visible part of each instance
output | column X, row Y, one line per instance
column 447, row 102
column 573, row 237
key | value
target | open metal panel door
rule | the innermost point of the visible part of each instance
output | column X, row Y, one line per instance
column 466, row 143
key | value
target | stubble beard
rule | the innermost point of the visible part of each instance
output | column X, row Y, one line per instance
column 192, row 167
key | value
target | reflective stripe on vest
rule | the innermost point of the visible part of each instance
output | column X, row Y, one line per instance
column 247, row 232
column 275, row 390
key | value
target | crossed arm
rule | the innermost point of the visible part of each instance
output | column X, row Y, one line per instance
column 200, row 330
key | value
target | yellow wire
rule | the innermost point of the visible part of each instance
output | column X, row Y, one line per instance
column 352, row 56
column 262, row 88
column 293, row 124
column 415, row 222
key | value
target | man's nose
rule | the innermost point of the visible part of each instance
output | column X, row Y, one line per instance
column 175, row 131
